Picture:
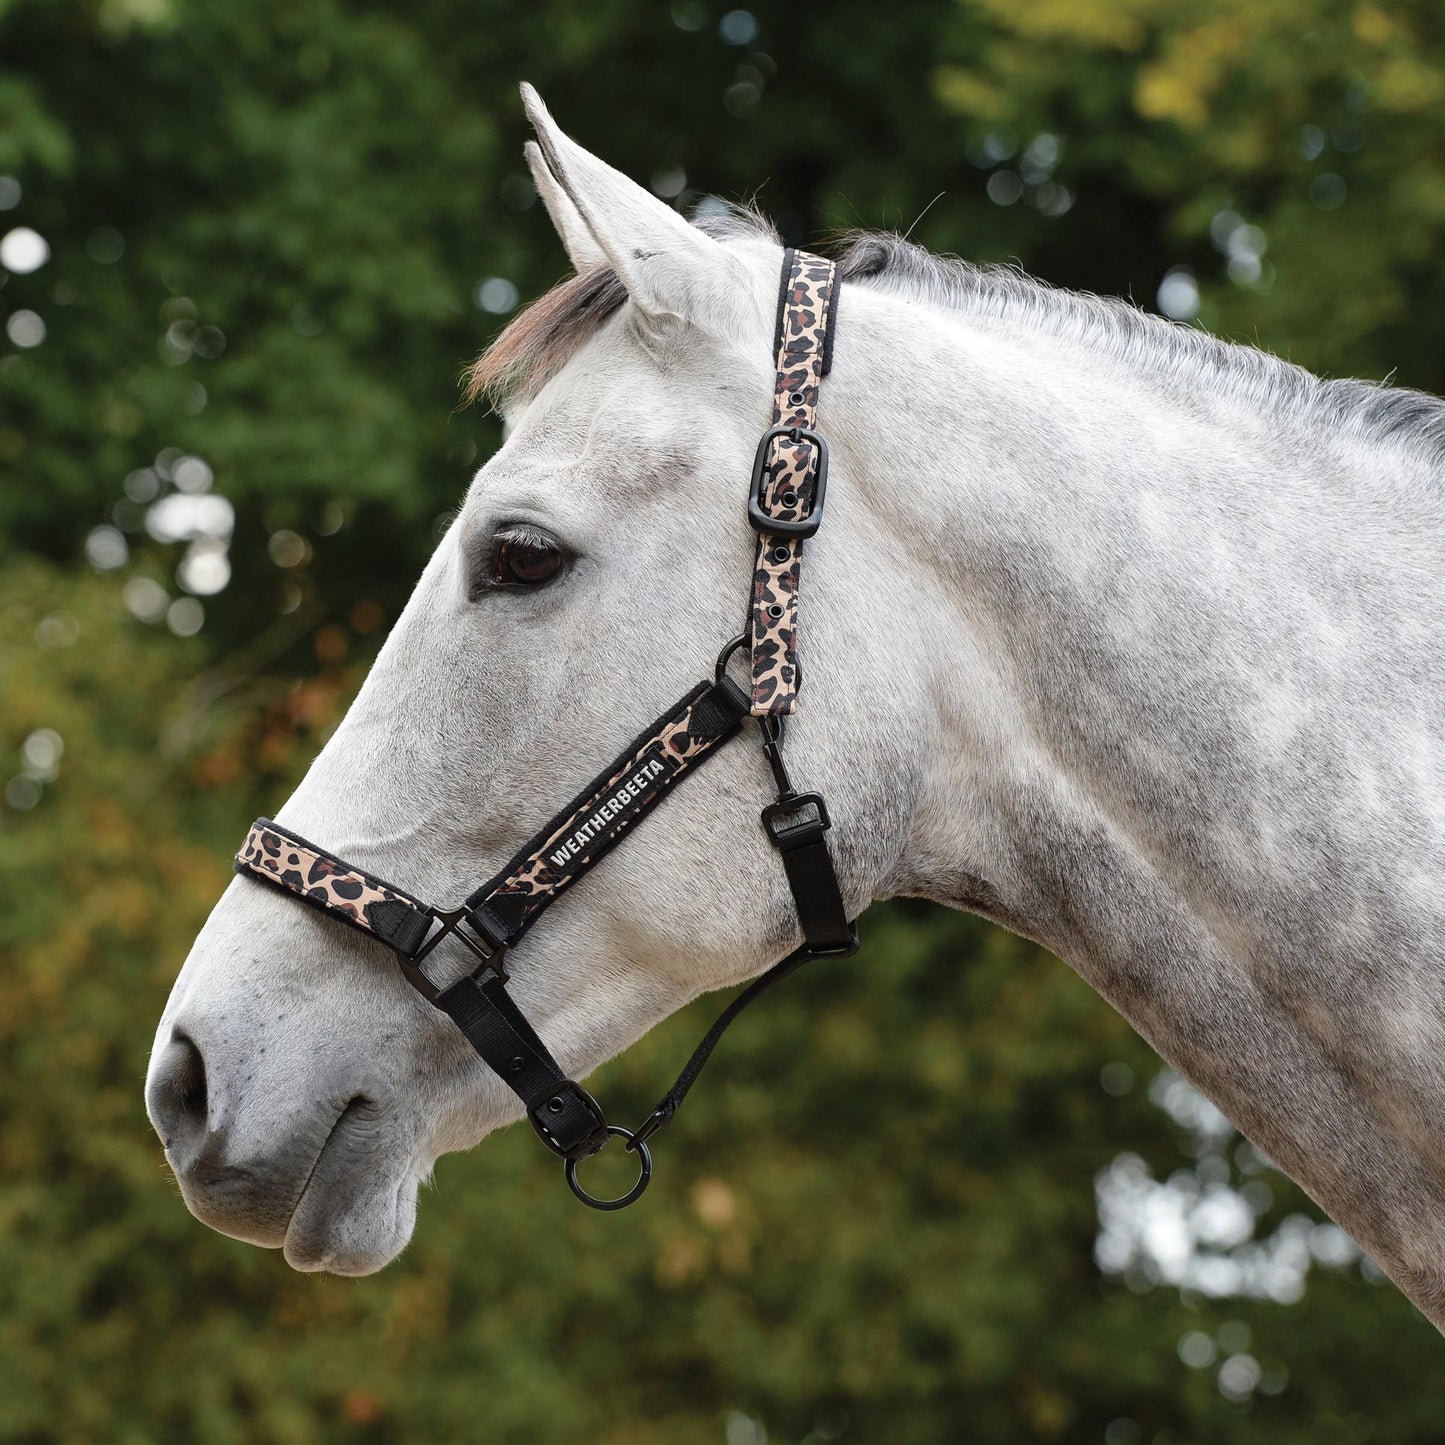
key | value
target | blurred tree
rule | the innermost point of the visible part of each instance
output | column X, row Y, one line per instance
column 268, row 238
column 1292, row 153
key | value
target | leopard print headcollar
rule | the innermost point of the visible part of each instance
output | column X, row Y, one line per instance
column 785, row 506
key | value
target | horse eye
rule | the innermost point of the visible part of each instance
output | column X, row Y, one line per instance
column 525, row 559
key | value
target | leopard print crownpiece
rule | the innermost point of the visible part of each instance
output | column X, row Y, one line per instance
column 305, row 870
column 789, row 480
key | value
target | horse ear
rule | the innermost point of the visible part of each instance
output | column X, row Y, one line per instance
column 577, row 241
column 669, row 268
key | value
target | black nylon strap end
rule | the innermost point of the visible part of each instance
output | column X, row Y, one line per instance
column 722, row 709
column 566, row 1118
column 398, row 925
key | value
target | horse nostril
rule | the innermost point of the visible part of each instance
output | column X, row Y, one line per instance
column 177, row 1094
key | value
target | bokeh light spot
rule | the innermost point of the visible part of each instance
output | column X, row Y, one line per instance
column 738, row 27
column 496, row 295
column 23, row 250
column 182, row 518
column 185, row 616
column 208, row 342
column 41, row 752
column 689, row 15
column 742, row 1429
column 1238, row 1376
column 288, row 548
column 22, row 793
column 25, row 328
column 1178, row 295
column 1327, row 191
column 191, row 474
column 56, row 630
column 105, row 245
column 145, row 599
column 105, row 548
column 1004, row 188
column 742, row 97
column 142, row 485
column 329, row 643
column 205, row 569
column 1197, row 1350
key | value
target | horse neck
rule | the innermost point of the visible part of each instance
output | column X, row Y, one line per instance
column 1157, row 607
column 1155, row 701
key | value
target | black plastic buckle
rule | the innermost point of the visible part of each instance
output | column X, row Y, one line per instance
column 491, row 951
column 843, row 950
column 554, row 1102
column 787, row 836
column 777, row 526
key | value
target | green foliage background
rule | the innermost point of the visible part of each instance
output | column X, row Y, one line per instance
column 325, row 186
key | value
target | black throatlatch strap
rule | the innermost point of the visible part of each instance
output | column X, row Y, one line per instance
column 668, row 1105
column 790, row 477
column 797, row 824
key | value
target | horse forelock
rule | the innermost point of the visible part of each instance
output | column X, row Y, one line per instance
column 544, row 337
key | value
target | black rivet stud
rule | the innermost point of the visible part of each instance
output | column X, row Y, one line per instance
column 780, row 554
column 789, row 499
column 555, row 1105
column 515, row 1066
column 775, row 611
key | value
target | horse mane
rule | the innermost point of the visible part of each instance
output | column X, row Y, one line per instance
column 545, row 336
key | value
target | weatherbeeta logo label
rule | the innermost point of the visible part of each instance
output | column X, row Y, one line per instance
column 610, row 814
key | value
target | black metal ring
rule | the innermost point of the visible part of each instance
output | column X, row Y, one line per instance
column 726, row 655
column 644, row 1156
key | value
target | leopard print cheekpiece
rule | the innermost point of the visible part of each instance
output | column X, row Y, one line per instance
column 789, row 483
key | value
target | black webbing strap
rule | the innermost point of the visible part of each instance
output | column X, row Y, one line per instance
column 567, row 1119
column 797, row 824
